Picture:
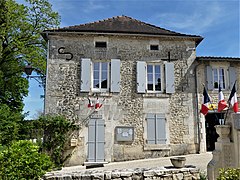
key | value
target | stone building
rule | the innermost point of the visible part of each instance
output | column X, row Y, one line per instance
column 147, row 79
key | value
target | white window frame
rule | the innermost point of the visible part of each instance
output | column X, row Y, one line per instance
column 100, row 89
column 161, row 76
column 226, row 76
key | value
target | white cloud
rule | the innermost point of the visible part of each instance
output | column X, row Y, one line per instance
column 202, row 16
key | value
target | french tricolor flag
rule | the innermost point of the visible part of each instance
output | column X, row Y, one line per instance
column 205, row 102
column 98, row 105
column 233, row 98
column 90, row 103
column 222, row 104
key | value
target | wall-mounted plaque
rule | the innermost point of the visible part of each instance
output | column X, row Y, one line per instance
column 124, row 133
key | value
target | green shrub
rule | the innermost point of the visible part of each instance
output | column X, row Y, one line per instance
column 22, row 161
column 57, row 131
column 229, row 173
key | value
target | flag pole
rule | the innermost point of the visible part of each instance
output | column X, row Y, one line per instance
column 227, row 112
column 229, row 103
column 211, row 104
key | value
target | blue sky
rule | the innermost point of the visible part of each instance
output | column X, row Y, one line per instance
column 217, row 21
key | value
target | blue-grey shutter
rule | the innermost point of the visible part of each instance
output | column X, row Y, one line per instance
column 91, row 140
column 96, row 140
column 115, row 75
column 141, row 77
column 160, row 129
column 232, row 76
column 151, row 134
column 169, row 74
column 100, row 140
column 209, row 78
column 85, row 74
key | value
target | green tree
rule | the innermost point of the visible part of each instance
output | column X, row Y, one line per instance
column 22, row 161
column 21, row 43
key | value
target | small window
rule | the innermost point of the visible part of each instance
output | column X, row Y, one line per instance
column 154, row 47
column 100, row 44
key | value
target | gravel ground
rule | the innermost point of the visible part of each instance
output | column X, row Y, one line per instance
column 198, row 160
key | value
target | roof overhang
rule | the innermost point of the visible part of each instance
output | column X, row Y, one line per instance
column 47, row 33
column 215, row 58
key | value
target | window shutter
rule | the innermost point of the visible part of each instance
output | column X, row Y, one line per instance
column 151, row 134
column 141, row 77
column 115, row 75
column 91, row 140
column 232, row 76
column 160, row 129
column 169, row 74
column 100, row 140
column 209, row 78
column 85, row 74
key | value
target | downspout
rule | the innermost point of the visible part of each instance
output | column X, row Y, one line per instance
column 197, row 110
column 45, row 88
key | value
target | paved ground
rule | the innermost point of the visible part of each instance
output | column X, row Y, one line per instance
column 198, row 160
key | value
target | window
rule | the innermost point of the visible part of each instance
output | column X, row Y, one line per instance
column 225, row 75
column 156, row 129
column 100, row 75
column 153, row 77
column 219, row 76
column 100, row 44
column 154, row 47
column 150, row 77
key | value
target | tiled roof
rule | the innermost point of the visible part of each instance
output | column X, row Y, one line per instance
column 123, row 25
column 216, row 58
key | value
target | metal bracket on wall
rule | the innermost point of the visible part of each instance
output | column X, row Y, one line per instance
column 61, row 51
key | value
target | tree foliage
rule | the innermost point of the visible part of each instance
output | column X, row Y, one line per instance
column 21, row 43
column 10, row 123
column 22, row 161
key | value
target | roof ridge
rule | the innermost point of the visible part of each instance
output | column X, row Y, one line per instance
column 97, row 21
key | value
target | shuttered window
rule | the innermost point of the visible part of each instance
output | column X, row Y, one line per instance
column 100, row 76
column 150, row 77
column 156, row 129
column 223, row 76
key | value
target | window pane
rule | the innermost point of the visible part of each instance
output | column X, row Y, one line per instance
column 150, row 82
column 215, row 78
column 105, row 66
column 96, row 83
column 104, row 79
column 96, row 75
column 149, row 68
column 96, row 66
column 157, row 69
column 157, row 82
column 221, row 78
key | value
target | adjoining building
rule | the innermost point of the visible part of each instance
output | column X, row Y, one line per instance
column 148, row 81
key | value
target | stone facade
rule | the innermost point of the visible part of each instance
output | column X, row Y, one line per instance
column 127, row 108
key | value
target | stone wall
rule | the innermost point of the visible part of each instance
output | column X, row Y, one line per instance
column 160, row 173
column 126, row 108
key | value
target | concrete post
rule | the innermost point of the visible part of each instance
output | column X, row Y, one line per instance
column 223, row 153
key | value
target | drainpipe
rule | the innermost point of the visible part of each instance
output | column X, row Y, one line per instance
column 197, row 110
